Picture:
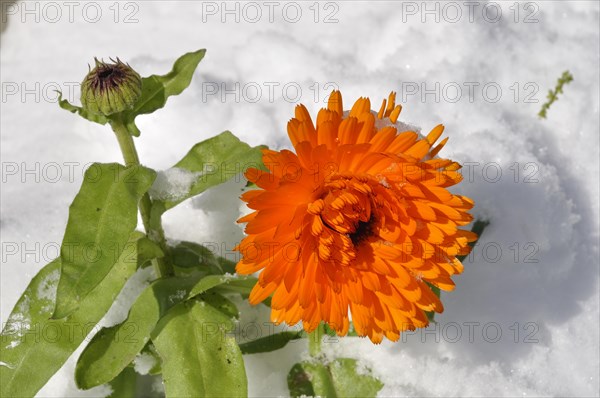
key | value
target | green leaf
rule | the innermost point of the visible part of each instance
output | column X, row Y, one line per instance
column 299, row 382
column 63, row 103
column 210, row 281
column 192, row 256
column 310, row 379
column 220, row 303
column 270, row 343
column 478, row 227
column 436, row 290
column 147, row 251
column 350, row 383
column 33, row 346
column 338, row 379
column 125, row 384
column 240, row 285
column 552, row 96
column 214, row 162
column 198, row 358
column 101, row 218
column 115, row 347
column 157, row 89
column 189, row 257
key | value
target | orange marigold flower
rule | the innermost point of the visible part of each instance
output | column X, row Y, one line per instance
column 358, row 220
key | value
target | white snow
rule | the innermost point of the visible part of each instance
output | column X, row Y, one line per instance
column 173, row 184
column 177, row 296
column 399, row 125
column 47, row 291
column 533, row 277
column 143, row 363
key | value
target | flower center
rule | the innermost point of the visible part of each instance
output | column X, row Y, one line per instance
column 349, row 208
column 363, row 231
column 105, row 74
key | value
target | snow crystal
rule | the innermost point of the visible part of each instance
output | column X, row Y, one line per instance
column 173, row 184
column 177, row 296
column 383, row 181
column 399, row 125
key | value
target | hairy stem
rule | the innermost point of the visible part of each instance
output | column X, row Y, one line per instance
column 314, row 340
column 152, row 225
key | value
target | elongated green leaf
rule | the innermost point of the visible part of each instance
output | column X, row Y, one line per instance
column 189, row 257
column 191, row 254
column 33, row 347
column 101, row 218
column 63, row 103
column 198, row 358
column 113, row 348
column 156, row 89
column 270, row 343
column 243, row 286
column 478, row 228
column 210, row 281
column 213, row 162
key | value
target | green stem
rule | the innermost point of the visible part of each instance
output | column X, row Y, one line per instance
column 322, row 382
column 152, row 225
column 314, row 340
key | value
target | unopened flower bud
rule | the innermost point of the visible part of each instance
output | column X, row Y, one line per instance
column 110, row 88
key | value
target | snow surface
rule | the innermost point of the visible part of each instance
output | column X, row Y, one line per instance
column 534, row 277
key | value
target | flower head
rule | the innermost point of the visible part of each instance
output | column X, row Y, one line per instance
column 359, row 220
column 110, row 88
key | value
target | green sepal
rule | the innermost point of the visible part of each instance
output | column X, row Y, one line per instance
column 65, row 104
